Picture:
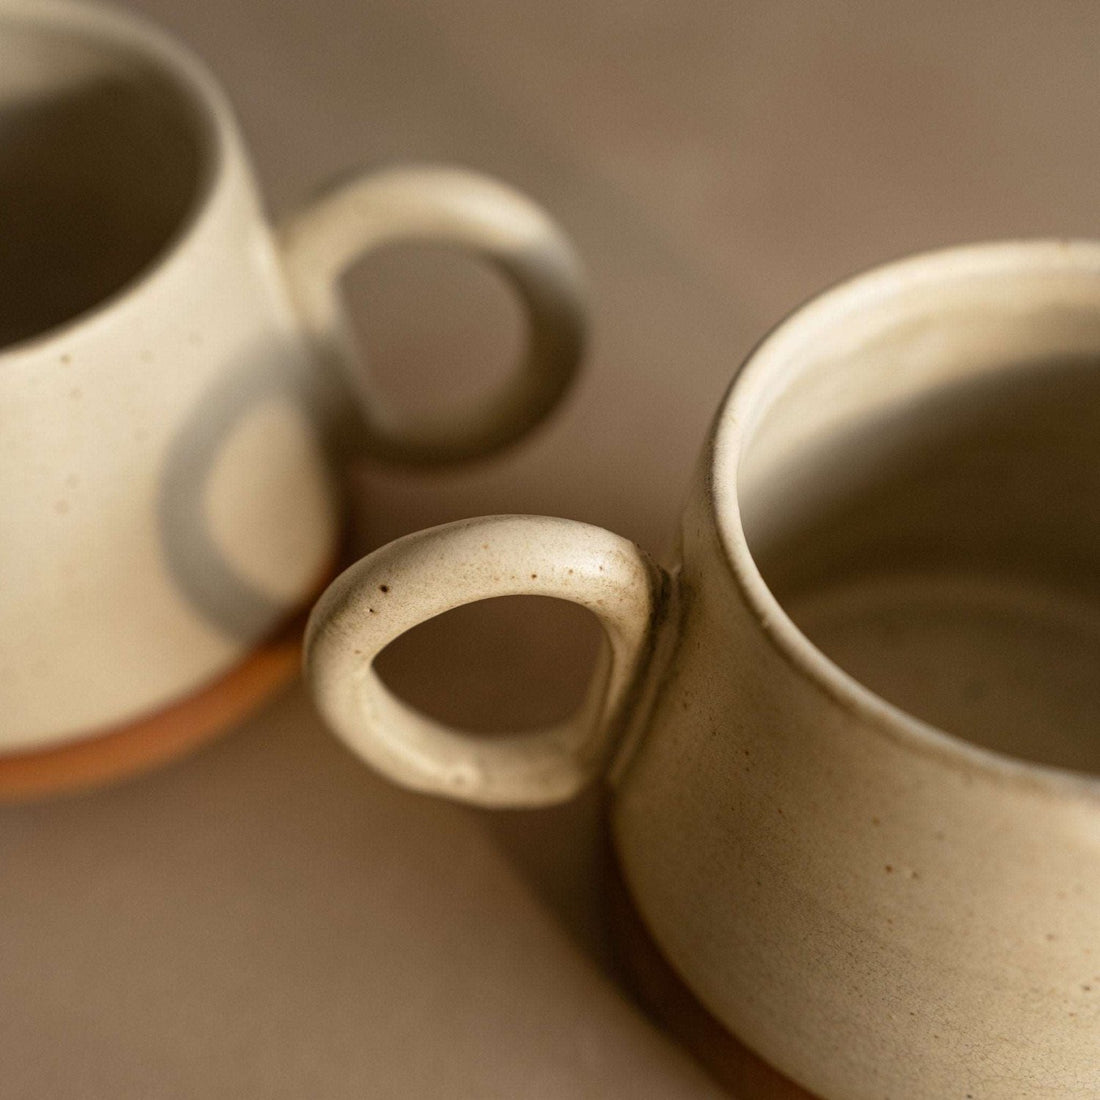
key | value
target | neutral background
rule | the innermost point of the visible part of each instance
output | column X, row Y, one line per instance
column 267, row 919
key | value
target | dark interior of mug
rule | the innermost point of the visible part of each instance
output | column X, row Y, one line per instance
column 921, row 492
column 101, row 162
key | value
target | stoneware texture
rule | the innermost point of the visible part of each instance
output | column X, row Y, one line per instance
column 884, row 891
column 176, row 381
column 672, row 1005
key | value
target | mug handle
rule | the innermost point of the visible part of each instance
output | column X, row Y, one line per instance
column 470, row 212
column 424, row 574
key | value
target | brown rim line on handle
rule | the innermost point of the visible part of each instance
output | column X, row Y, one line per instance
column 665, row 997
column 155, row 739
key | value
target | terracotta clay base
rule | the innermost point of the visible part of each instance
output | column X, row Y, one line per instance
column 155, row 739
column 674, row 1007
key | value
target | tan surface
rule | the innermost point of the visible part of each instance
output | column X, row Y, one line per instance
column 267, row 919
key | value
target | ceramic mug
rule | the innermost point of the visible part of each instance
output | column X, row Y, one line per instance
column 175, row 377
column 852, row 735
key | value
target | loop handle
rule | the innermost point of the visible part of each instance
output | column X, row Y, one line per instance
column 424, row 574
column 470, row 212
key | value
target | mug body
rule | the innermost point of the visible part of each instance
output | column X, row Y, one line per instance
column 166, row 493
column 852, row 734
column 859, row 812
column 175, row 379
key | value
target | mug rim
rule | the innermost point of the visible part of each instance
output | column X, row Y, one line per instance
column 743, row 401
column 206, row 108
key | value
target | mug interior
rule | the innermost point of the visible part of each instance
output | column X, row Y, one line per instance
column 918, row 480
column 102, row 159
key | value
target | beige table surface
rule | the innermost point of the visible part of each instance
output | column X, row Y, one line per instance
column 267, row 919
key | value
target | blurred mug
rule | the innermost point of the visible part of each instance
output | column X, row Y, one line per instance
column 174, row 380
column 852, row 736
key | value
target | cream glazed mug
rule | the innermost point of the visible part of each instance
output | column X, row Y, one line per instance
column 175, row 378
column 852, row 736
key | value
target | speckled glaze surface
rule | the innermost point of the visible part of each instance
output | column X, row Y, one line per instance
column 176, row 378
column 880, row 901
